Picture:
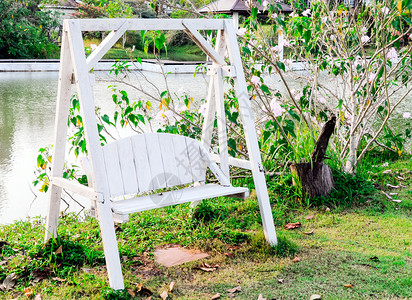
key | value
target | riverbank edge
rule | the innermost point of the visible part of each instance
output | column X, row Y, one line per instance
column 149, row 65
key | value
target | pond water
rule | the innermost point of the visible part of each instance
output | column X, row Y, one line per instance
column 27, row 112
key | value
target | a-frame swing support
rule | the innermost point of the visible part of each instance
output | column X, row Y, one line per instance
column 75, row 68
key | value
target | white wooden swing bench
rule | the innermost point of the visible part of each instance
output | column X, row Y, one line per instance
column 125, row 176
column 147, row 162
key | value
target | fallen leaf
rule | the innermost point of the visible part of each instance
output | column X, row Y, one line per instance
column 387, row 171
column 293, row 225
column 171, row 286
column 327, row 209
column 230, row 295
column 374, row 258
column 28, row 292
column 9, row 281
column 38, row 297
column 393, row 186
column 393, row 194
column 261, row 297
column 216, row 296
column 315, row 297
column 399, row 178
column 59, row 279
column 207, row 269
column 164, row 295
column 310, row 217
column 229, row 254
column 3, row 262
column 40, row 275
column 348, row 286
column 131, row 292
column 281, row 281
column 235, row 289
column 309, row 233
column 59, row 250
column 296, row 259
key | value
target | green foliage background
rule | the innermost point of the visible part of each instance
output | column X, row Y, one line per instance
column 26, row 31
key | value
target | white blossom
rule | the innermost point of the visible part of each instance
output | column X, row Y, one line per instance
column 385, row 10
column 306, row 13
column 202, row 109
column 164, row 116
column 181, row 109
column 241, row 31
column 406, row 115
column 275, row 108
column 321, row 100
column 294, row 15
column 392, row 54
column 365, row 39
column 255, row 81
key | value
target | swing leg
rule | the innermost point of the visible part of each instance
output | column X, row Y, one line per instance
column 111, row 251
column 62, row 111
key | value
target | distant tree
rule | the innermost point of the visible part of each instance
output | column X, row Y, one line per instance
column 26, row 31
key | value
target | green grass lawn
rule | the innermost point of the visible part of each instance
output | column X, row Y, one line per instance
column 360, row 248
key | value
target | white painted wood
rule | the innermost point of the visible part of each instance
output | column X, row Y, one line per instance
column 107, row 43
column 236, row 162
column 113, row 170
column 201, row 192
column 149, row 24
column 155, row 161
column 219, row 174
column 141, row 160
column 85, row 164
column 208, row 122
column 75, row 187
column 250, row 135
column 182, row 159
column 197, row 166
column 60, row 135
column 111, row 252
column 169, row 159
column 221, row 123
column 127, row 166
column 203, row 44
column 95, row 155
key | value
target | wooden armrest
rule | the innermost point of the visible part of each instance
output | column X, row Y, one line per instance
column 75, row 187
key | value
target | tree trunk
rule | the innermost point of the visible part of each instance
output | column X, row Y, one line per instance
column 315, row 177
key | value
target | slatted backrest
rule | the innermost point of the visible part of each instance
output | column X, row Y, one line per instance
column 152, row 161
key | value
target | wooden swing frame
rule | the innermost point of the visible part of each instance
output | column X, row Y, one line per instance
column 76, row 69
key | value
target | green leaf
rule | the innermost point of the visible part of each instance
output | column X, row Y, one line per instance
column 265, row 89
column 164, row 93
column 281, row 65
column 106, row 119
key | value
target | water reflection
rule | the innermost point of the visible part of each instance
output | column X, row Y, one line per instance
column 27, row 109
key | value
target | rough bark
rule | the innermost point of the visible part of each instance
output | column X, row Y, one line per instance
column 315, row 177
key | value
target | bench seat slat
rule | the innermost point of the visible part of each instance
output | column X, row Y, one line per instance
column 125, row 207
column 141, row 161
column 124, row 148
column 114, row 173
column 169, row 159
column 153, row 151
